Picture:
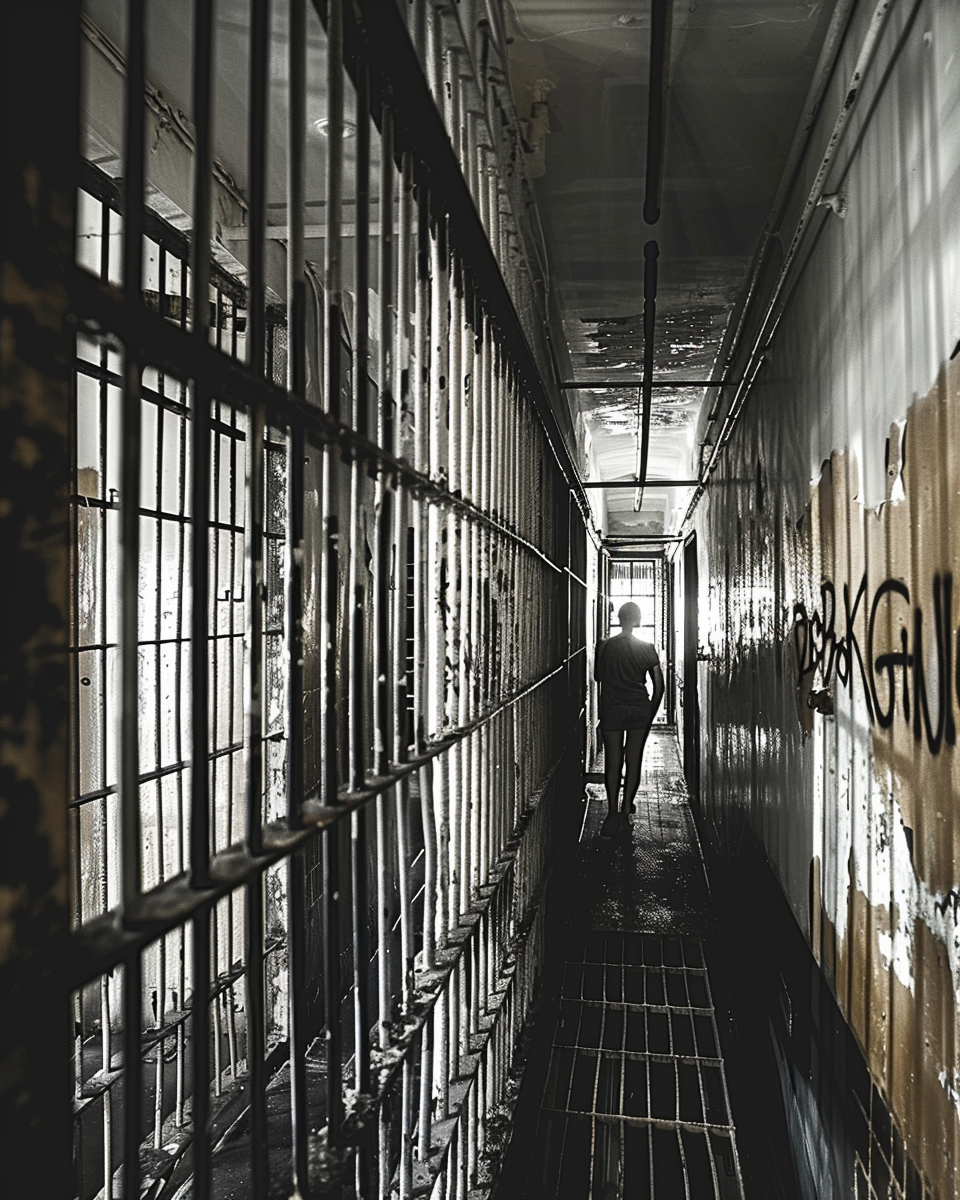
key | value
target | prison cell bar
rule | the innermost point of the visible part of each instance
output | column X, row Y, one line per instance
column 480, row 688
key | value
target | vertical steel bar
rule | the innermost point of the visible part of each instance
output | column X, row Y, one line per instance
column 132, row 1076
column 470, row 1156
column 384, row 664
column 441, row 808
column 254, row 631
column 406, row 1129
column 200, row 645
column 401, row 799
column 424, row 1124
column 442, row 1054
column 361, row 368
column 383, row 927
column 454, row 808
column 106, row 1062
column 361, row 947
column 334, row 216
column 296, row 380
column 131, row 867
column 200, row 1048
column 422, row 374
column 297, row 1019
column 294, row 622
column 466, row 823
column 256, row 343
column 255, row 1032
column 217, row 1002
column 361, row 335
column 427, row 806
column 332, row 858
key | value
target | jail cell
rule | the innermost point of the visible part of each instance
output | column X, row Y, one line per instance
column 328, row 622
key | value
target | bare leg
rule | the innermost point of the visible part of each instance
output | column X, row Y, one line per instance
column 613, row 767
column 636, row 740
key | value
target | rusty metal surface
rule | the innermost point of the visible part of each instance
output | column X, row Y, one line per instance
column 828, row 606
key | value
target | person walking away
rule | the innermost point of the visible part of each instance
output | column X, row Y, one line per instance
column 621, row 666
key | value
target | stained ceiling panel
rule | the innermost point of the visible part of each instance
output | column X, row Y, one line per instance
column 739, row 74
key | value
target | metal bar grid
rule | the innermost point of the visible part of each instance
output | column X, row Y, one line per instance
column 318, row 938
column 636, row 1100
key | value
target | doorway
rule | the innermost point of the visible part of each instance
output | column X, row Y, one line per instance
column 646, row 581
column 691, row 697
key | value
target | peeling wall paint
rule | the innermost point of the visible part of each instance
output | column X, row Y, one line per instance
column 830, row 593
column 35, row 347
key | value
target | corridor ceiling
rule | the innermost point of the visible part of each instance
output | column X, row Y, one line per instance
column 743, row 77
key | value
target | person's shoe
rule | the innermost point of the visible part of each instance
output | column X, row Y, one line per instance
column 610, row 826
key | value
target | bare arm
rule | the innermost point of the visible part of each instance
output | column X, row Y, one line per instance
column 596, row 661
column 656, row 674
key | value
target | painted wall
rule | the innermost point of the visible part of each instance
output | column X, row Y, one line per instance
column 830, row 588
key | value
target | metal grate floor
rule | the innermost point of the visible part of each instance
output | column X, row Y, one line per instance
column 636, row 1102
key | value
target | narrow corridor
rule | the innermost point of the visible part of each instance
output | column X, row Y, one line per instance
column 361, row 362
column 636, row 1101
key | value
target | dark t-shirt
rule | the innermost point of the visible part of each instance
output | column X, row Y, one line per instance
column 622, row 665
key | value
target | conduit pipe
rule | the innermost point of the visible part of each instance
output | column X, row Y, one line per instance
column 772, row 316
column 651, row 252
column 661, row 12
column 825, row 63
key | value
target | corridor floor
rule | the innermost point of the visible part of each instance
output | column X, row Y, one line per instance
column 636, row 1102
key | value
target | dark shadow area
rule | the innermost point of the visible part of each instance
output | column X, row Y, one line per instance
column 647, row 1076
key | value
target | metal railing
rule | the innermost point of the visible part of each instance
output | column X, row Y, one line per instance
column 328, row 646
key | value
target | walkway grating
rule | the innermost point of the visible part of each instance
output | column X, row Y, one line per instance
column 636, row 1102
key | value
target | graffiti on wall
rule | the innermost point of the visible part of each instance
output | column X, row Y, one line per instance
column 893, row 683
column 875, row 624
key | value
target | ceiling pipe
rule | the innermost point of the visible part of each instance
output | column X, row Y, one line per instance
column 623, row 540
column 632, row 384
column 821, row 76
column 651, row 252
column 661, row 17
column 661, row 14
column 772, row 315
column 635, row 483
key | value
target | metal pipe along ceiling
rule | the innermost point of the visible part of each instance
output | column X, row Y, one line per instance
column 660, row 22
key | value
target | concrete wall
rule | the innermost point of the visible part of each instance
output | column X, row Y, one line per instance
column 830, row 592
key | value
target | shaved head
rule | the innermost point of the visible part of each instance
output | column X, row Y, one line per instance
column 629, row 615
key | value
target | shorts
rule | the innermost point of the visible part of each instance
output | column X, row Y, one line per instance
column 623, row 717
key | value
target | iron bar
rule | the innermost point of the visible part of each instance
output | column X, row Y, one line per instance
column 134, row 154
column 297, row 1004
column 256, row 1046
column 200, row 449
column 479, row 497
column 200, row 1042
column 361, row 947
